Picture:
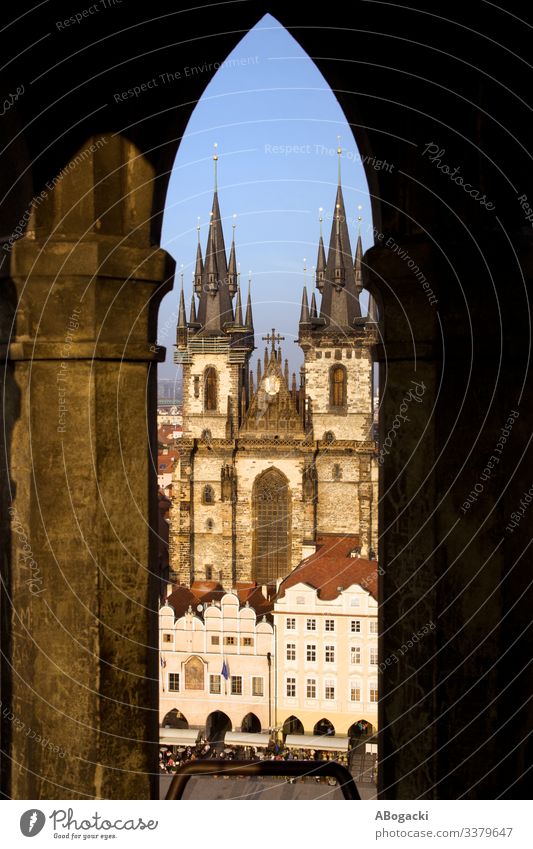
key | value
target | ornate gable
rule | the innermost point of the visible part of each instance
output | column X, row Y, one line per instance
column 272, row 409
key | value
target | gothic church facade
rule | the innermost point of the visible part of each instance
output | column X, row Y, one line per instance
column 269, row 462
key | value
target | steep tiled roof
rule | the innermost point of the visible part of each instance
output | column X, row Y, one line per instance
column 204, row 592
column 331, row 567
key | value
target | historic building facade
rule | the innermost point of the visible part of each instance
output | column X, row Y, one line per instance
column 217, row 660
column 267, row 460
column 326, row 625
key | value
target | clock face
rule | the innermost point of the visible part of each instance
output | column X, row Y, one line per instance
column 272, row 384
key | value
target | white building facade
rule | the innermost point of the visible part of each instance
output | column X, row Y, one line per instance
column 217, row 662
column 327, row 660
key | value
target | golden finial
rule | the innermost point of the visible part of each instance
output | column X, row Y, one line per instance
column 234, row 223
column 359, row 219
column 215, row 160
column 320, row 218
column 339, row 152
column 198, row 228
column 181, row 275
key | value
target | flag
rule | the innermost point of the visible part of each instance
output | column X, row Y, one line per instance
column 225, row 671
column 163, row 662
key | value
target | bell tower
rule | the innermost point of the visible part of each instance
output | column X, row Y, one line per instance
column 337, row 342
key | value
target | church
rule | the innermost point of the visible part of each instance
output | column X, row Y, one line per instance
column 270, row 462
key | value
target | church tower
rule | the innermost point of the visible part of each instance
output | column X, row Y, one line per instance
column 214, row 349
column 268, row 462
column 337, row 343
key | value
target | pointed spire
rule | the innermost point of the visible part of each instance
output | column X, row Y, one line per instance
column 181, row 334
column 358, row 266
column 304, row 312
column 249, row 321
column 251, row 383
column 199, row 270
column 340, row 305
column 192, row 319
column 232, row 264
column 215, row 309
column 314, row 311
column 372, row 310
column 266, row 358
column 321, row 259
column 286, row 372
column 258, row 371
column 294, row 388
column 238, row 309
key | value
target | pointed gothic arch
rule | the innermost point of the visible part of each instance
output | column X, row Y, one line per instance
column 272, row 527
column 210, row 388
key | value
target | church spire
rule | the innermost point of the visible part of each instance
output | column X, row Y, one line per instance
column 304, row 311
column 321, row 259
column 314, row 312
column 238, row 309
column 232, row 264
column 340, row 305
column 249, row 321
column 192, row 319
column 181, row 335
column 215, row 310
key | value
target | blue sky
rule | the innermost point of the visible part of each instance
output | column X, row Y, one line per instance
column 275, row 121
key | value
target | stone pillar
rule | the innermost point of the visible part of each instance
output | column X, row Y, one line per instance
column 80, row 582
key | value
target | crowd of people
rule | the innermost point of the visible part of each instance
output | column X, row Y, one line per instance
column 172, row 757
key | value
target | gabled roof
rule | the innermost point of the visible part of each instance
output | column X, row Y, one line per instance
column 332, row 567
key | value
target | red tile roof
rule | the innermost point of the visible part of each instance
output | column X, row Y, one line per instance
column 204, row 592
column 331, row 567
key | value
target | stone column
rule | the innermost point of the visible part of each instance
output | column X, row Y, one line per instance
column 80, row 583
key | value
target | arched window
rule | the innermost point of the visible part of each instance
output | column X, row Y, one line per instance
column 210, row 388
column 337, row 386
column 208, row 495
column 271, row 542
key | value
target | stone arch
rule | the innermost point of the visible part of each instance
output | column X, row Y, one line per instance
column 292, row 725
column 271, row 547
column 216, row 726
column 154, row 129
column 174, row 719
column 324, row 728
column 251, row 723
column 208, row 494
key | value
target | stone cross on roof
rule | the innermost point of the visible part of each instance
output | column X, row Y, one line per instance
column 272, row 338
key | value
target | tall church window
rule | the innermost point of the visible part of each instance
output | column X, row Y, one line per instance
column 337, row 386
column 210, row 388
column 271, row 542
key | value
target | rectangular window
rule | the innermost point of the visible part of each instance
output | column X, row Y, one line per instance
column 355, row 626
column 355, row 691
column 215, row 641
column 329, row 654
column 290, row 624
column 209, row 573
column 257, row 686
column 373, row 655
column 330, row 625
column 214, row 684
column 355, row 654
column 291, row 688
column 174, row 682
column 373, row 691
column 167, row 638
column 310, row 653
column 300, row 599
column 229, row 641
column 291, row 651
column 310, row 688
column 373, row 626
column 329, row 689
column 236, row 685
column 247, row 641
column 355, row 602
column 311, row 625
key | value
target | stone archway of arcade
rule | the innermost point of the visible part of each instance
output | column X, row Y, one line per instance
column 80, row 294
